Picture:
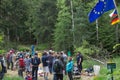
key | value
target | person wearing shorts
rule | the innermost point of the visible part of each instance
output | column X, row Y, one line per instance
column 45, row 65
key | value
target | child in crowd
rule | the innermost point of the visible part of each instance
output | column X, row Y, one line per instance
column 28, row 76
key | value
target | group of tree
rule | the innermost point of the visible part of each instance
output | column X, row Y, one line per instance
column 51, row 22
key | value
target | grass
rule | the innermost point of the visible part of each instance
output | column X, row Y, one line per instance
column 12, row 78
column 104, row 72
column 89, row 63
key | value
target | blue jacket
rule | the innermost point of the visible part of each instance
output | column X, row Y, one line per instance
column 69, row 66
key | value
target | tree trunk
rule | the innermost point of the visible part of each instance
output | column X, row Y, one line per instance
column 117, row 38
column 8, row 34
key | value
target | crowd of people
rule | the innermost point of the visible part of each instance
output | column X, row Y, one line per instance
column 53, row 63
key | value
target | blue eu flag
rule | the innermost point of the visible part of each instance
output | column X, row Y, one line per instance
column 101, row 7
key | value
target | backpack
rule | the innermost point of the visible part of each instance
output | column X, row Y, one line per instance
column 21, row 63
column 35, row 61
column 56, row 66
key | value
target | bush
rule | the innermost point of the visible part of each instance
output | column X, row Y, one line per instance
column 87, row 49
column 42, row 47
column 23, row 48
column 2, row 51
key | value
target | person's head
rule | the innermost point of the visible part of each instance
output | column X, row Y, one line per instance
column 70, row 59
column 61, row 53
column 79, row 53
column 36, row 54
column 10, row 51
column 27, row 56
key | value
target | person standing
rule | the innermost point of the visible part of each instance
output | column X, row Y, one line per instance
column 35, row 64
column 45, row 65
column 27, row 63
column 21, row 66
column 2, row 67
column 8, row 60
column 79, row 61
column 69, row 68
column 11, row 59
column 50, row 64
column 58, row 68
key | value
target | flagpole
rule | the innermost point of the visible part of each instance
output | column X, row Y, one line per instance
column 116, row 8
column 73, row 26
column 117, row 39
column 97, row 30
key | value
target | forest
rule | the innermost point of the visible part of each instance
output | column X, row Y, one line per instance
column 59, row 24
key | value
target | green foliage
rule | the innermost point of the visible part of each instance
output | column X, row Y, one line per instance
column 115, row 46
column 116, row 49
column 62, row 33
column 1, row 41
column 42, row 47
column 116, row 74
column 91, row 62
column 23, row 48
column 49, row 21
column 2, row 51
column 87, row 49
column 99, row 78
column 12, row 78
column 1, row 38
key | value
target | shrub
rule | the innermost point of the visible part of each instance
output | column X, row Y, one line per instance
column 23, row 48
column 42, row 47
column 2, row 51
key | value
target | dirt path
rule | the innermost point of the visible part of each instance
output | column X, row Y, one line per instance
column 14, row 73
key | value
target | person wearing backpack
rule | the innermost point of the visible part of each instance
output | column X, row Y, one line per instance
column 35, row 64
column 2, row 67
column 45, row 65
column 50, row 64
column 58, row 69
column 21, row 66
column 64, row 60
column 69, row 68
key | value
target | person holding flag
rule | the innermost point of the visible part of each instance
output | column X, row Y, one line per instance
column 33, row 49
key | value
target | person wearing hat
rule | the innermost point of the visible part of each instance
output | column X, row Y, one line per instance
column 35, row 61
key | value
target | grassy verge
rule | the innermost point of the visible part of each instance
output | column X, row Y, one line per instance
column 104, row 72
column 13, row 78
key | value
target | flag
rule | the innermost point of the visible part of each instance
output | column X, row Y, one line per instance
column 101, row 7
column 114, row 17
